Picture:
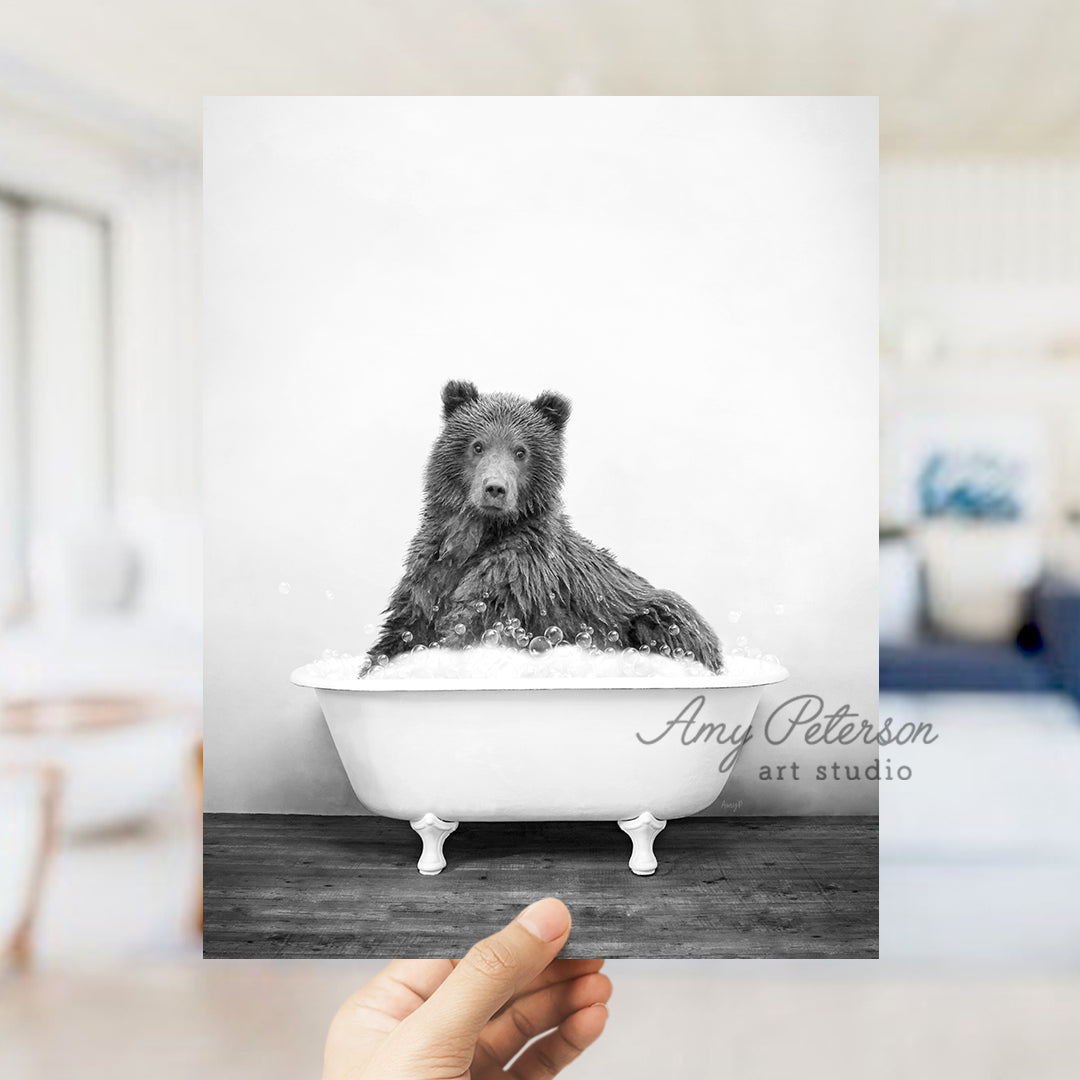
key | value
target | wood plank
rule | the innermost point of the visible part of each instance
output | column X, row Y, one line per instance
column 302, row 886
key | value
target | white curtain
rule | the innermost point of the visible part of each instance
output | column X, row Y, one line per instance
column 11, row 512
column 67, row 383
column 55, row 385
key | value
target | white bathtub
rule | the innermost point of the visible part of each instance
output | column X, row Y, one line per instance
column 436, row 752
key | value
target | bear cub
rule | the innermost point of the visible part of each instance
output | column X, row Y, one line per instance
column 495, row 546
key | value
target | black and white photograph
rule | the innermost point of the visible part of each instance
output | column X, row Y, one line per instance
column 541, row 472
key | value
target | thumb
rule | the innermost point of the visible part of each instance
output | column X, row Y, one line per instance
column 492, row 972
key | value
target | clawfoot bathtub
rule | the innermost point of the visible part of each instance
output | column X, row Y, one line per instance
column 438, row 752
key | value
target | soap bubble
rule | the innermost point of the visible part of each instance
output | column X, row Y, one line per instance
column 551, row 596
column 583, row 640
column 734, row 616
column 613, row 636
column 460, row 629
column 554, row 635
column 599, row 598
column 543, row 611
column 499, row 626
column 365, row 666
column 680, row 653
column 486, row 594
column 644, row 649
column 609, row 651
column 480, row 605
column 382, row 660
column 406, row 636
column 419, row 648
column 491, row 637
column 665, row 650
column 629, row 650
column 284, row 588
column 675, row 629
column 539, row 645
column 435, row 607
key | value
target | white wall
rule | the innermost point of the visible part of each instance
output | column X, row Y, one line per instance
column 980, row 290
column 698, row 275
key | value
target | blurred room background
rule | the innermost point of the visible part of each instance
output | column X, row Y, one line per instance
column 100, row 550
column 980, row 554
column 100, row 110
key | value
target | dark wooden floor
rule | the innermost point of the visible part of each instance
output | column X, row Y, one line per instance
column 299, row 886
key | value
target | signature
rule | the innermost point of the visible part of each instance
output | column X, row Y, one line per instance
column 804, row 714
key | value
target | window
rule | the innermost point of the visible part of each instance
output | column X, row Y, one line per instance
column 55, row 379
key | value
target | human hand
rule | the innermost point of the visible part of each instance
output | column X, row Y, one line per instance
column 465, row 1020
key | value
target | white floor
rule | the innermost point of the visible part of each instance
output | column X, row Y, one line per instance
column 980, row 849
column 259, row 1021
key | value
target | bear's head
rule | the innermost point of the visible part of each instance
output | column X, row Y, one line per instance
column 498, row 456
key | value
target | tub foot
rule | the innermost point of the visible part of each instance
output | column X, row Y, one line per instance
column 433, row 831
column 643, row 830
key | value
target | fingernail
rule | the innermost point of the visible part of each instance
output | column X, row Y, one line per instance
column 547, row 919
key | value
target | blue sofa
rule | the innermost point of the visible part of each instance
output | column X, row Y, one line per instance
column 1046, row 658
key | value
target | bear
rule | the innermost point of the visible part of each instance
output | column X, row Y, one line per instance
column 495, row 550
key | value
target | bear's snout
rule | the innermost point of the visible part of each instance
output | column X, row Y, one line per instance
column 494, row 489
column 495, row 493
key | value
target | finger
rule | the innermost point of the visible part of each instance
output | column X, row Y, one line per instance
column 548, row 1056
column 538, row 1012
column 491, row 973
column 396, row 992
column 556, row 972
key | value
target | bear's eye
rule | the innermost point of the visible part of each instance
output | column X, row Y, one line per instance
column 478, row 447
column 519, row 453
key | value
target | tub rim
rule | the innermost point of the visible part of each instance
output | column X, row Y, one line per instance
column 765, row 673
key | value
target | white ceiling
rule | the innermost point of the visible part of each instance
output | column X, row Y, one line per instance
column 954, row 76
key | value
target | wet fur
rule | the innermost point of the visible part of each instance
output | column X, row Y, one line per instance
column 514, row 563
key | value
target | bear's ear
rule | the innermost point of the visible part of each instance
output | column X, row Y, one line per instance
column 554, row 408
column 457, row 393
